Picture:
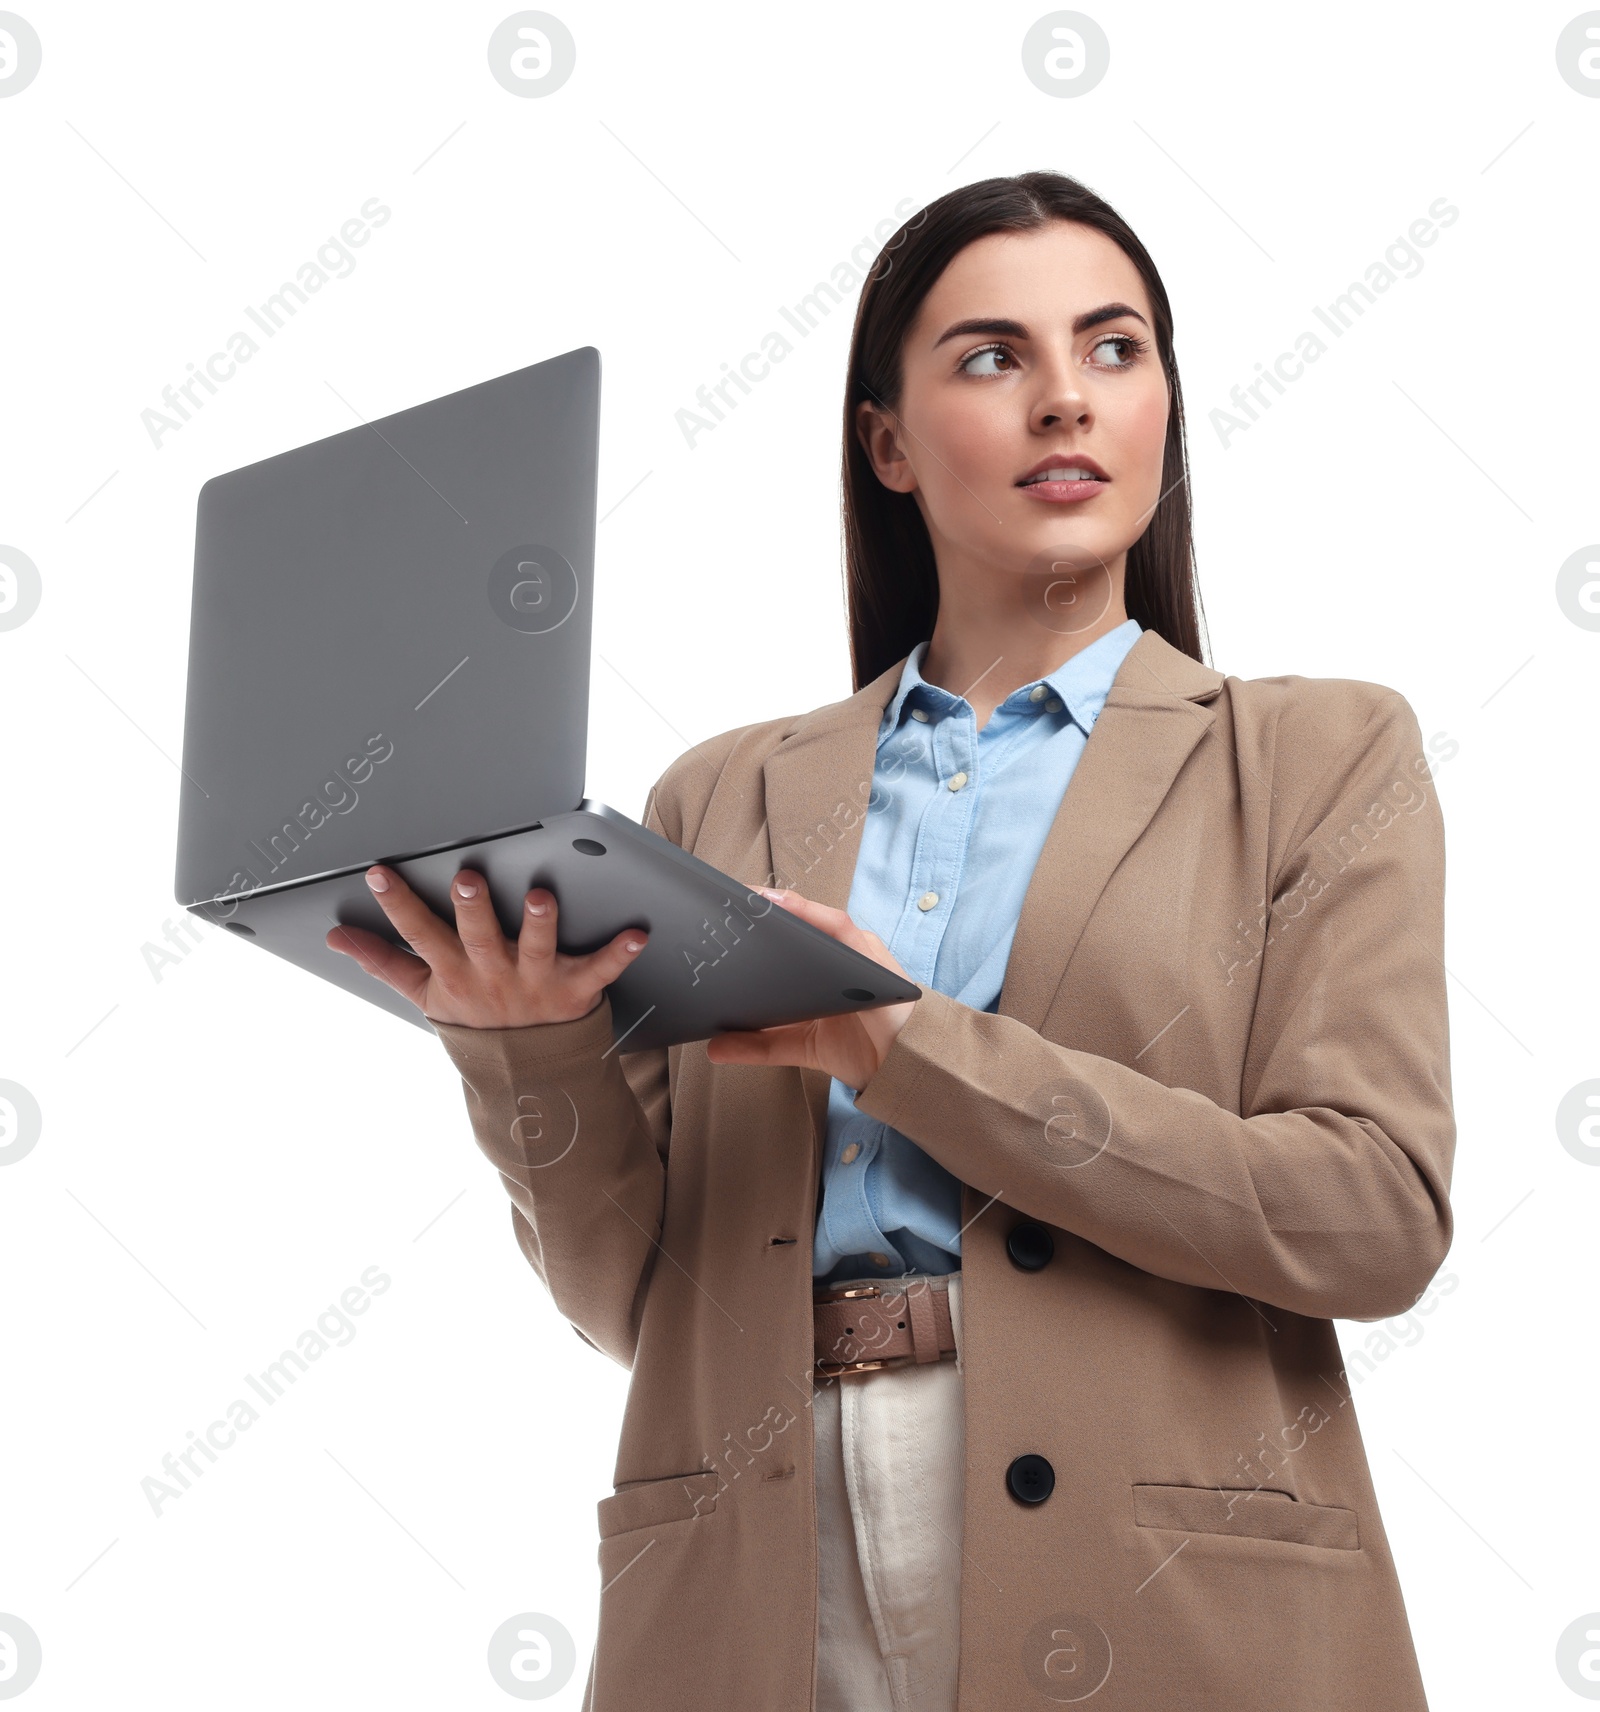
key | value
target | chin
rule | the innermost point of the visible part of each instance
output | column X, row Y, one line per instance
column 1067, row 550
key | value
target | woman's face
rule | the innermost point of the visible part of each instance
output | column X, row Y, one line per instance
column 1032, row 355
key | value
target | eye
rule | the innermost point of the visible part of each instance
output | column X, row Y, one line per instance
column 1129, row 348
column 989, row 360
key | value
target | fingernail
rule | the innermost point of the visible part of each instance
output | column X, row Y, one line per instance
column 633, row 944
column 377, row 879
column 467, row 888
column 538, row 909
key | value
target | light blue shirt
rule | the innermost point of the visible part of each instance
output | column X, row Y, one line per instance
column 953, row 832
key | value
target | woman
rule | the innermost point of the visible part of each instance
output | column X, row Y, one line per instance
column 1176, row 1094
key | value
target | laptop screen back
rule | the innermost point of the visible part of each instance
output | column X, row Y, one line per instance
column 389, row 643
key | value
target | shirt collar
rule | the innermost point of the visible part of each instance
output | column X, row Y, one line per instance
column 1082, row 683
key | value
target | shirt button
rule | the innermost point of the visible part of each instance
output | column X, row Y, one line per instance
column 1054, row 704
column 917, row 713
column 878, row 1259
column 850, row 1152
column 957, row 780
column 927, row 900
column 1037, row 693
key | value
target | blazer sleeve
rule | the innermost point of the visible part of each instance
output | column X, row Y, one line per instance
column 580, row 1135
column 1327, row 1192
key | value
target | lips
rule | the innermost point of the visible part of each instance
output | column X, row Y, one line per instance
column 1062, row 468
column 1064, row 479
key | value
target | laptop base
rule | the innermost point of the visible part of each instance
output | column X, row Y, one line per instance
column 719, row 957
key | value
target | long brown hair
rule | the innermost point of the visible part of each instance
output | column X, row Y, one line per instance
column 891, row 579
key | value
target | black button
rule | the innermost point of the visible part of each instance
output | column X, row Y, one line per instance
column 1030, row 1246
column 1031, row 1479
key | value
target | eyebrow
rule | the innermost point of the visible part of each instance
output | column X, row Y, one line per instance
column 1015, row 330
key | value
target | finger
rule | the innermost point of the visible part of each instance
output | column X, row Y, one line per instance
column 477, row 926
column 600, row 968
column 408, row 975
column 536, row 946
column 536, row 943
column 870, row 945
column 834, row 922
column 838, row 924
column 432, row 939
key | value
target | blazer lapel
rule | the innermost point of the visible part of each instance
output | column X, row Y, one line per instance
column 817, row 783
column 1152, row 721
column 819, row 778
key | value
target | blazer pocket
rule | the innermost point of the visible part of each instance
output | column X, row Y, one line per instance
column 1245, row 1514
column 645, row 1503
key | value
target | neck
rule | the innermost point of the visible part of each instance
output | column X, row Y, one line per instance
column 997, row 631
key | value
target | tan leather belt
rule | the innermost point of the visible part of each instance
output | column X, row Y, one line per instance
column 862, row 1326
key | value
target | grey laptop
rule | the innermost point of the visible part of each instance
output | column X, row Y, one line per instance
column 389, row 661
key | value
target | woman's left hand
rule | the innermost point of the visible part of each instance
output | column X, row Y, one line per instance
column 852, row 1046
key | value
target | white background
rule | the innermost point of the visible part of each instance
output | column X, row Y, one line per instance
column 226, row 1148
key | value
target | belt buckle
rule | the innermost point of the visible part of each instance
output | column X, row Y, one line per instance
column 846, row 1293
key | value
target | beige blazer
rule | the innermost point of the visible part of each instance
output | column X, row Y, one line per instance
column 1219, row 1077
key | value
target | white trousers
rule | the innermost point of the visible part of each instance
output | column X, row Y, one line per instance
column 891, row 1449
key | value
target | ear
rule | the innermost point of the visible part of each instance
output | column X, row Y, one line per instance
column 878, row 430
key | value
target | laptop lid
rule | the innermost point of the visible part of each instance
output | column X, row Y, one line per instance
column 389, row 641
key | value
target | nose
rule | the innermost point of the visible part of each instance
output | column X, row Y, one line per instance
column 1060, row 399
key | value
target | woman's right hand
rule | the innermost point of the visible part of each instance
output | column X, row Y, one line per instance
column 471, row 974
